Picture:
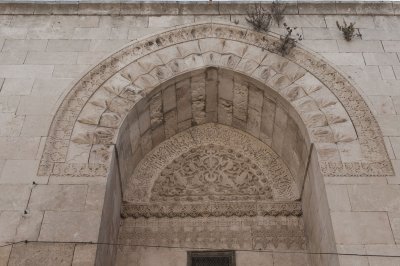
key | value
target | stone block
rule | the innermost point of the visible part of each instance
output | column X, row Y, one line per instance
column 17, row 86
column 24, row 45
column 26, row 71
column 345, row 59
column 387, row 72
column 4, row 255
column 363, row 22
column 106, row 45
column 69, row 71
column 281, row 259
column 84, row 255
column 19, row 148
column 267, row 118
column 171, row 124
column 29, row 226
column 21, row 172
column 45, row 254
column 58, row 197
column 90, row 58
column 10, row 124
column 169, row 21
column 254, row 122
column 95, row 197
column 49, row 87
column 123, row 21
column 12, row 57
column 395, row 100
column 225, row 112
column 383, row 105
column 375, row 197
column 70, row 226
column 50, row 33
column 381, row 59
column 240, row 101
column 383, row 261
column 391, row 46
column 321, row 34
column 395, row 223
column 395, row 144
column 323, row 46
column 211, row 90
column 338, row 198
column 68, row 45
column 356, row 46
column 362, row 228
column 36, row 125
column 254, row 259
column 9, row 104
column 9, row 221
column 14, row 197
column 91, row 33
column 347, row 260
column 183, row 100
column 306, row 21
column 389, row 124
column 51, row 58
column 8, row 32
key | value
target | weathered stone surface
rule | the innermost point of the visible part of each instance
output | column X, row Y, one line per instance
column 361, row 228
column 84, row 255
column 58, row 197
column 29, row 226
column 70, row 226
column 41, row 254
column 14, row 197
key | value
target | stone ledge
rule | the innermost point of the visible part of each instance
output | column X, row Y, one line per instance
column 131, row 7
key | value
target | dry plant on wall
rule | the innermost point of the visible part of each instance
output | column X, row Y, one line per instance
column 277, row 11
column 348, row 30
column 289, row 41
column 259, row 18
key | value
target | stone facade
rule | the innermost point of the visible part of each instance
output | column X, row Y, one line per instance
column 98, row 122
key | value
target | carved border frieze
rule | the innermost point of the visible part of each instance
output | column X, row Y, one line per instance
column 120, row 92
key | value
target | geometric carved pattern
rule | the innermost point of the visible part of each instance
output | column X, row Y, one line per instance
column 211, row 172
column 224, row 209
column 216, row 233
column 211, row 162
column 116, row 94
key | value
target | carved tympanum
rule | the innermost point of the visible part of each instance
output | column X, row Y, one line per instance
column 211, row 172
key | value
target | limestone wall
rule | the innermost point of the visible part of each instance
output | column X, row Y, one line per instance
column 41, row 56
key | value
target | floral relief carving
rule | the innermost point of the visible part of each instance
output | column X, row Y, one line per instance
column 211, row 162
column 211, row 172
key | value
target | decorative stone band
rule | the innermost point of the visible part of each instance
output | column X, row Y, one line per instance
column 263, row 236
column 214, row 209
column 355, row 168
column 120, row 81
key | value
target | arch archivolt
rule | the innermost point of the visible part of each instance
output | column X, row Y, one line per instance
column 324, row 107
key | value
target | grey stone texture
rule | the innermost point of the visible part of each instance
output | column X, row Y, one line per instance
column 44, row 47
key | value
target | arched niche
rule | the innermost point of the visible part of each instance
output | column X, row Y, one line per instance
column 218, row 74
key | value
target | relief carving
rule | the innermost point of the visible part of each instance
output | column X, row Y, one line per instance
column 107, row 73
column 211, row 172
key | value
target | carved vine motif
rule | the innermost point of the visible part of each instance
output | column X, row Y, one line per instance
column 204, row 163
column 57, row 143
column 211, row 172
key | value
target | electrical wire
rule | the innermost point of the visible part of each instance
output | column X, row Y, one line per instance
column 208, row 249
